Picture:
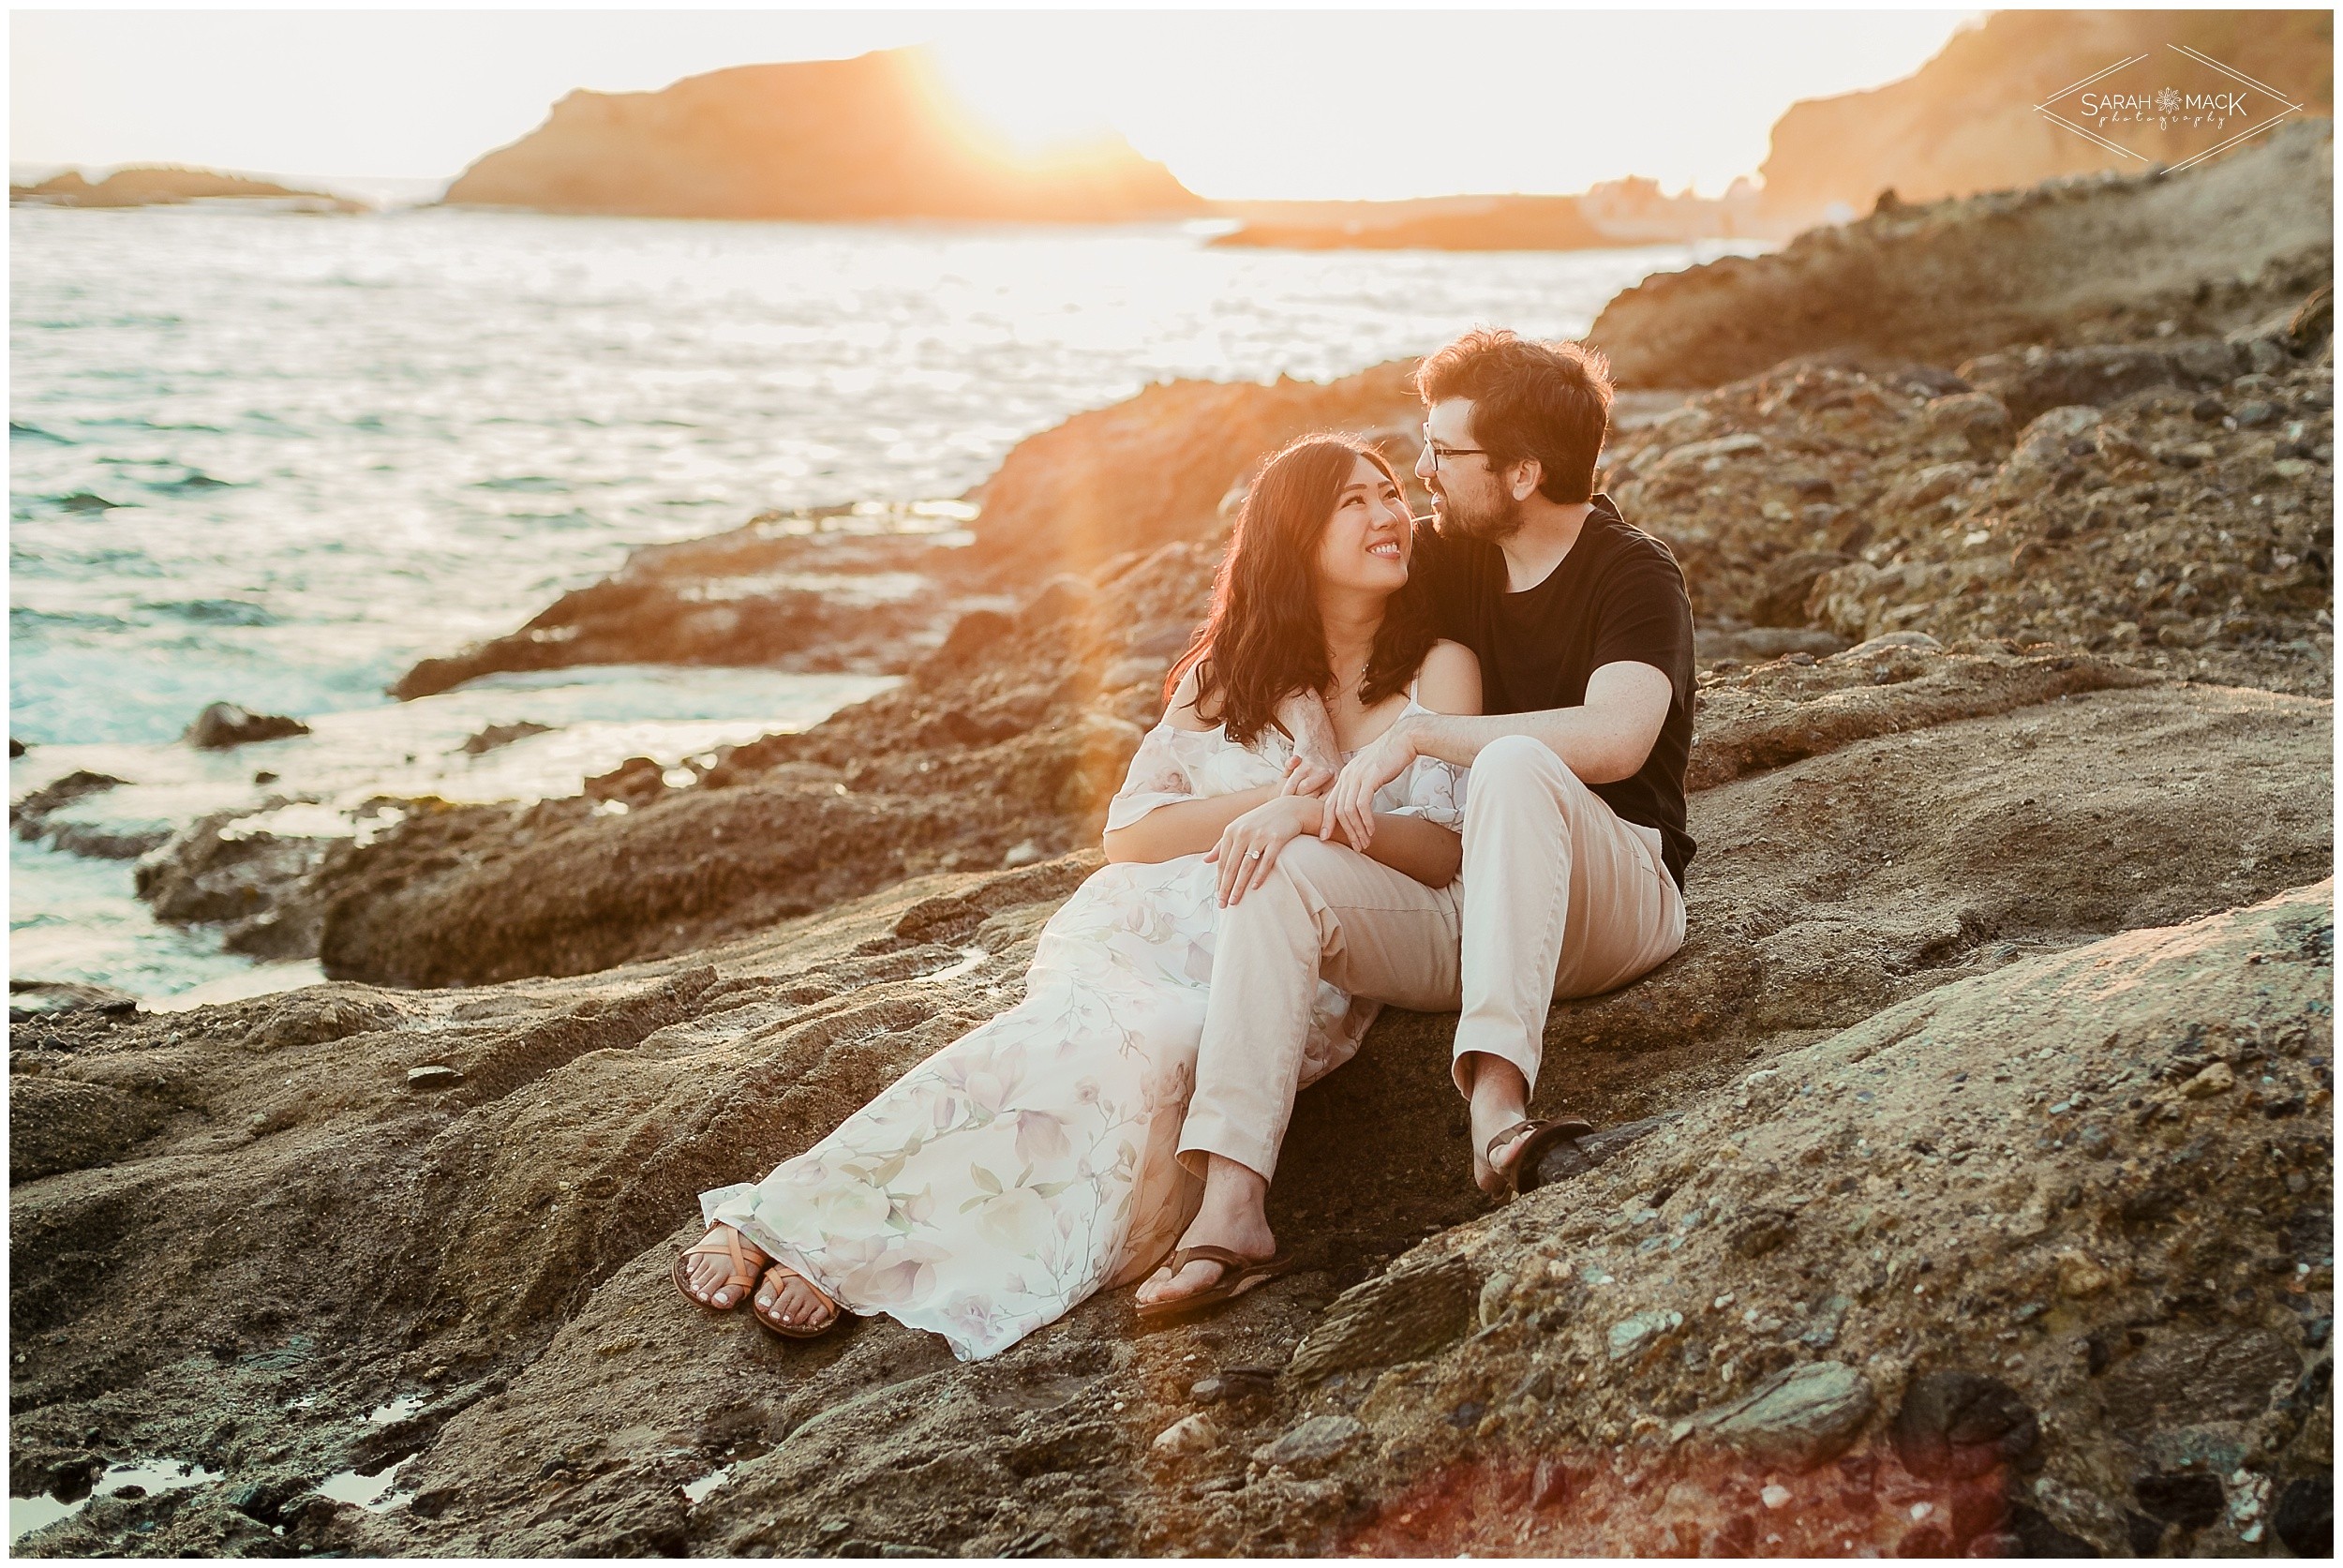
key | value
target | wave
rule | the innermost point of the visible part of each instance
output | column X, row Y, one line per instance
column 31, row 622
column 213, row 612
column 193, row 480
column 84, row 501
column 131, row 423
column 17, row 432
column 534, row 483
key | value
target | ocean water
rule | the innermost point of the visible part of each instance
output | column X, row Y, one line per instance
column 274, row 459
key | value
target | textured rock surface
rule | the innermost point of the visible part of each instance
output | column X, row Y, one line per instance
column 1932, row 1202
column 783, row 592
column 1951, row 279
column 2185, row 525
column 353, row 1237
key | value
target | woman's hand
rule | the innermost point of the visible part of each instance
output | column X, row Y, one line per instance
column 1248, row 847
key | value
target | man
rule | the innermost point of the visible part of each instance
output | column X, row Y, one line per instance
column 1574, row 846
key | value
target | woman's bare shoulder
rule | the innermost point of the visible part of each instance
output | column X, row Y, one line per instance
column 1450, row 679
column 1183, row 712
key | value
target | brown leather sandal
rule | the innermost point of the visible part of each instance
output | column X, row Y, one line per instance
column 1238, row 1274
column 795, row 1331
column 1536, row 1138
column 731, row 1245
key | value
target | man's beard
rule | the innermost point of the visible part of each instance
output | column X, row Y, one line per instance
column 1493, row 526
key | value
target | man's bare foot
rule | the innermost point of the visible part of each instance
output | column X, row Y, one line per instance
column 787, row 1299
column 706, row 1277
column 1233, row 1216
column 1500, row 1098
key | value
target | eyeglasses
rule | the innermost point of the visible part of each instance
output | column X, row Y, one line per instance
column 1441, row 454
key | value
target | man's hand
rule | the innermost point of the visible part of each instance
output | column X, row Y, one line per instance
column 1303, row 716
column 1304, row 777
column 1350, row 805
column 1248, row 847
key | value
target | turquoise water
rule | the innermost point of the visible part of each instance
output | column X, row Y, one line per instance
column 274, row 459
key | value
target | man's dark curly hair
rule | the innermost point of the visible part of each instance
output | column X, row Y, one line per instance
column 1551, row 401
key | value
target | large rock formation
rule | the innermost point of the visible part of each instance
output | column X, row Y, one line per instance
column 781, row 591
column 2209, row 250
column 1966, row 122
column 455, row 1209
column 877, row 135
column 1168, row 466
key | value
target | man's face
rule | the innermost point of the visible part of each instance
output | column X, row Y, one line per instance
column 1468, row 498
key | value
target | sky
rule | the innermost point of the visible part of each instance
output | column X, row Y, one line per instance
column 1240, row 105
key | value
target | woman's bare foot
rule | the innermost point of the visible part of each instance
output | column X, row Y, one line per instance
column 1233, row 1216
column 787, row 1300
column 706, row 1272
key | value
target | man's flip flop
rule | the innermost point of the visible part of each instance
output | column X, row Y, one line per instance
column 1238, row 1274
column 1536, row 1138
column 743, row 1279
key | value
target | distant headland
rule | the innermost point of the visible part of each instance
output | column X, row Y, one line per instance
column 873, row 136
column 169, row 185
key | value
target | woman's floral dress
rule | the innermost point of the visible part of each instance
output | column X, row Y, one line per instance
column 1031, row 1163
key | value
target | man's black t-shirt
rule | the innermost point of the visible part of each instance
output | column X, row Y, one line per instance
column 1618, row 594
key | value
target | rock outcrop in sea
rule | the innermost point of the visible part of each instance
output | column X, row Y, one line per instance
column 877, row 135
column 1965, row 1186
column 1482, row 223
column 165, row 185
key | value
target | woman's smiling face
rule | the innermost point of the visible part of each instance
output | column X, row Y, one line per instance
column 1368, row 540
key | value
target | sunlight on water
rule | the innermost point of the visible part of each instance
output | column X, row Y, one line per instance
column 397, row 1409
column 274, row 460
column 696, row 1492
column 375, row 1494
column 28, row 1514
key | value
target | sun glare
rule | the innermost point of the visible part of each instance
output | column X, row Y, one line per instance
column 1037, row 97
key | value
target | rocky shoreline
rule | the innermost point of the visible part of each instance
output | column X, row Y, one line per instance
column 1969, row 1183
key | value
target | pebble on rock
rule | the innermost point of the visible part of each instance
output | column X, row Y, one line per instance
column 1315, row 1442
column 1190, row 1433
column 2304, row 1520
column 1959, row 1425
column 1800, row 1417
column 2214, row 1079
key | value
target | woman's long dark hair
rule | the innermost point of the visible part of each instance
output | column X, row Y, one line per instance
column 1263, row 640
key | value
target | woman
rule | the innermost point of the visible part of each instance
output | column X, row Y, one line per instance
column 1034, row 1160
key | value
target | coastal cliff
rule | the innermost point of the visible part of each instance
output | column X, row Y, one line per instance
column 874, row 137
column 1966, row 121
column 1966, row 1180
